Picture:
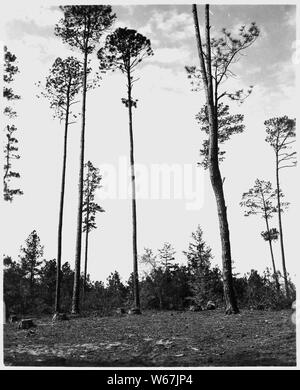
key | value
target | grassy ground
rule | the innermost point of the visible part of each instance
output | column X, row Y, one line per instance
column 164, row 339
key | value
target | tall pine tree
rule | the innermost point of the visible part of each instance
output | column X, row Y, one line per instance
column 61, row 89
column 11, row 147
column 216, row 55
column 260, row 200
column 281, row 133
column 125, row 49
column 82, row 28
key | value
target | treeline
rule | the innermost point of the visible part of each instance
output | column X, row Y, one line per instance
column 29, row 283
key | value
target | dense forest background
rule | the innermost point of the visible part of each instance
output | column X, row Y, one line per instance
column 29, row 283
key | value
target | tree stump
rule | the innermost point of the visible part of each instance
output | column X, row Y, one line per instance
column 26, row 324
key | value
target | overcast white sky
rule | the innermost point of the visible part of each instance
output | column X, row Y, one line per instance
column 165, row 132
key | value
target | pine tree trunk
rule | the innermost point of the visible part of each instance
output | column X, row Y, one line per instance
column 229, row 295
column 86, row 233
column 280, row 231
column 31, row 285
column 61, row 211
column 76, row 286
column 270, row 241
column 6, row 169
column 85, row 262
column 272, row 256
column 214, row 171
column 134, row 224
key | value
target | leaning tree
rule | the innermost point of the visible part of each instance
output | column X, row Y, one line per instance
column 216, row 56
column 11, row 146
column 261, row 200
column 90, row 208
column 61, row 89
column 125, row 49
column 281, row 134
column 82, row 28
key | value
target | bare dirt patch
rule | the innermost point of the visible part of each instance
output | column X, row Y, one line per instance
column 164, row 339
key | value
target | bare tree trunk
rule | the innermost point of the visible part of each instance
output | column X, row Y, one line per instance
column 86, row 234
column 134, row 225
column 287, row 291
column 31, row 287
column 270, row 242
column 85, row 261
column 76, row 286
column 229, row 295
column 272, row 256
column 61, row 212
column 214, row 171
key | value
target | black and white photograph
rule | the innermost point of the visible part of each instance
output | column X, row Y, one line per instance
column 150, row 187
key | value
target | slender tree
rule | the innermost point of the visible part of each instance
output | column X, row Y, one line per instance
column 281, row 134
column 90, row 208
column 30, row 261
column 260, row 200
column 11, row 147
column 124, row 50
column 216, row 56
column 61, row 89
column 82, row 28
